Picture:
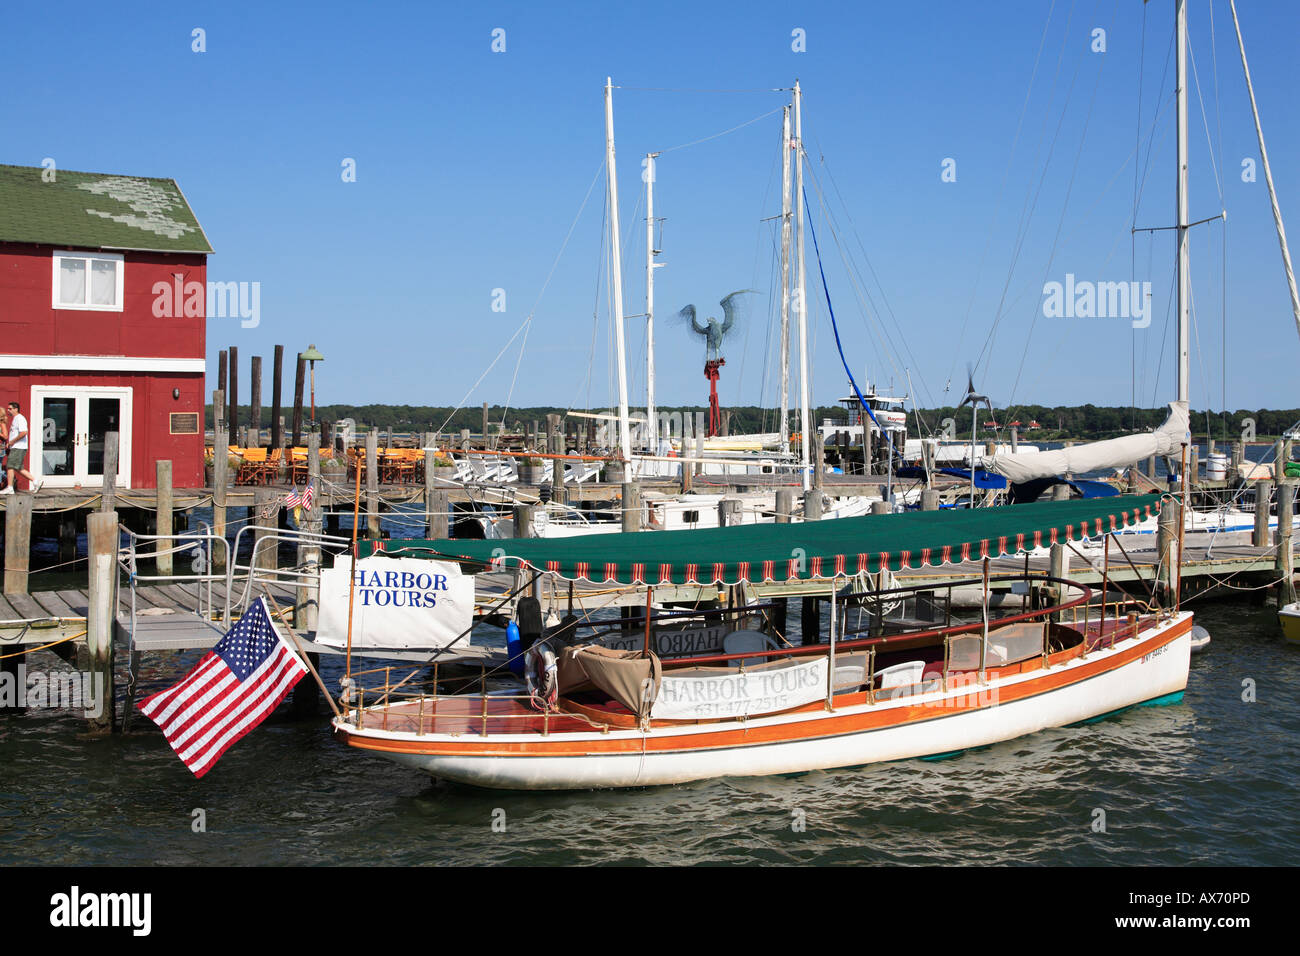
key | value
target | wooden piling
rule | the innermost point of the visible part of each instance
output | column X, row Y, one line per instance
column 881, row 507
column 255, row 403
column 222, row 359
column 810, row 620
column 812, row 505
column 818, row 461
column 784, row 505
column 306, row 694
column 264, row 527
column 277, row 420
column 372, row 482
column 67, row 537
column 1284, row 562
column 929, row 500
column 107, row 503
column 485, row 426
column 524, row 521
column 1167, row 548
column 101, row 615
column 18, row 541
column 299, row 382
column 163, row 548
column 1238, row 456
column 220, row 481
column 232, row 397
column 1263, row 499
column 631, row 506
column 557, row 467
column 729, row 512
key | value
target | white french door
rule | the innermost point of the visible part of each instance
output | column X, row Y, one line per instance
column 69, row 425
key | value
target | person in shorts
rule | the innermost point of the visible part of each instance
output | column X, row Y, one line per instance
column 16, row 455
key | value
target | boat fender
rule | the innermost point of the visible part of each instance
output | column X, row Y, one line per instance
column 514, row 649
column 1200, row 639
column 542, row 676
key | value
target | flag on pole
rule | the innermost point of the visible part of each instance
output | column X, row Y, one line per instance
column 231, row 690
column 293, row 499
column 307, row 495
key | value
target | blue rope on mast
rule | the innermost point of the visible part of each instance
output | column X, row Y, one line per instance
column 889, row 470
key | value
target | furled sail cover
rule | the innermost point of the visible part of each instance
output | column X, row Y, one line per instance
column 780, row 552
column 1168, row 439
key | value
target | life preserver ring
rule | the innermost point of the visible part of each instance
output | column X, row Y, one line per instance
column 541, row 675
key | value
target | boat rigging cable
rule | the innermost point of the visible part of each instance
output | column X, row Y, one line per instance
column 866, row 444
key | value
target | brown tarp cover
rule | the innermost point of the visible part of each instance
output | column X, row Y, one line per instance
column 621, row 674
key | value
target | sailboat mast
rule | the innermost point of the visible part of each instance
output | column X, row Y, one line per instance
column 616, row 261
column 801, row 305
column 652, row 424
column 785, row 280
column 1268, row 175
column 1184, row 283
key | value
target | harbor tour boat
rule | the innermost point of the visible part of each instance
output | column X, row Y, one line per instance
column 897, row 673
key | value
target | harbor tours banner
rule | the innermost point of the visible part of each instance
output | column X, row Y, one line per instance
column 740, row 693
column 397, row 604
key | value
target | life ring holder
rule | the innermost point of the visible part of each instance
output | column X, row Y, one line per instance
column 541, row 676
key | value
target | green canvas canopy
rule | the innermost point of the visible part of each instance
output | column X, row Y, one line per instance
column 780, row 552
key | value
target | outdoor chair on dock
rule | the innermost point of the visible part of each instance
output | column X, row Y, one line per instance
column 298, row 465
column 254, row 468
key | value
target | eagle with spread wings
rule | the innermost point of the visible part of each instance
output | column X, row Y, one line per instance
column 714, row 331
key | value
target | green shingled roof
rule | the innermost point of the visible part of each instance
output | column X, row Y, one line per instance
column 96, row 210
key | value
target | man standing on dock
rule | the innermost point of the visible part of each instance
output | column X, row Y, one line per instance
column 16, row 456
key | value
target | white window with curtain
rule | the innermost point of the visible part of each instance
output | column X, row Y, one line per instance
column 85, row 280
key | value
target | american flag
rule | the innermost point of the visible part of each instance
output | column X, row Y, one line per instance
column 230, row 691
column 307, row 495
column 293, row 499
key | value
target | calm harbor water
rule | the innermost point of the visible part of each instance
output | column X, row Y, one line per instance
column 1206, row 781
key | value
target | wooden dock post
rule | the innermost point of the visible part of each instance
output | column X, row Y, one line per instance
column 881, row 507
column 264, row 526
column 523, row 515
column 1263, row 498
column 699, row 442
column 784, row 505
column 1238, row 456
column 812, row 505
column 300, row 380
column 1151, row 467
column 101, row 616
column 220, row 478
column 1193, row 466
column 437, row 508
column 929, row 500
column 818, row 461
column 1167, row 554
column 729, row 512
column 109, row 500
column 306, row 694
column 1284, row 562
column 631, row 506
column 557, row 467
column 18, row 541
column 163, row 548
column 222, row 359
column 68, row 537
column 485, row 427
column 232, row 396
column 810, row 620
column 277, row 420
column 255, row 403
column 372, row 482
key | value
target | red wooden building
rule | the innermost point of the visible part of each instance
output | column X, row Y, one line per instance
column 102, row 323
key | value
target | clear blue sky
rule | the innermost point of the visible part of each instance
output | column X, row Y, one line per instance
column 471, row 166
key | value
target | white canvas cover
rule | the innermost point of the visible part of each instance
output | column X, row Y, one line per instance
column 1168, row 439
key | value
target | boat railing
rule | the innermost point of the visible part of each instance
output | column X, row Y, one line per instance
column 199, row 546
column 1070, row 623
column 262, row 568
column 388, row 696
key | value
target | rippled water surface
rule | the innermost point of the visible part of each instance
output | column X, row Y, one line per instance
column 1209, row 780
